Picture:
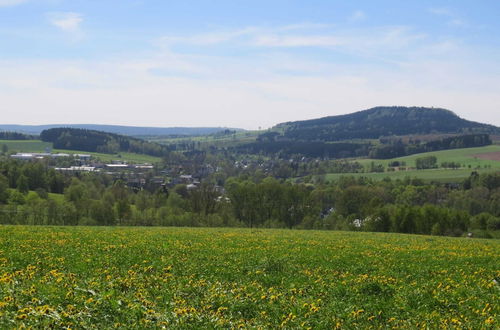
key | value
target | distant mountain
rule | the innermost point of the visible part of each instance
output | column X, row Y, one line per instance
column 383, row 121
column 123, row 130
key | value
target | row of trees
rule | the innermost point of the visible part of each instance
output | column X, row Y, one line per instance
column 15, row 136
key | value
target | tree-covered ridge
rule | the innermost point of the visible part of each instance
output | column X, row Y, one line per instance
column 15, row 136
column 96, row 141
column 383, row 121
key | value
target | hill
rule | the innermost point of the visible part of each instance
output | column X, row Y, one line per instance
column 381, row 132
column 383, row 121
column 123, row 130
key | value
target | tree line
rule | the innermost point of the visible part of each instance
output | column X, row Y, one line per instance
column 15, row 136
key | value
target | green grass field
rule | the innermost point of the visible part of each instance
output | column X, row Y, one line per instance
column 89, row 277
column 26, row 145
column 466, row 157
column 206, row 141
column 39, row 146
column 124, row 156
column 463, row 156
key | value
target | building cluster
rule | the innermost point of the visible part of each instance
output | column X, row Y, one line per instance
column 42, row 155
column 136, row 176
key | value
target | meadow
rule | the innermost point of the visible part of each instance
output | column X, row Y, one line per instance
column 466, row 157
column 90, row 277
column 40, row 146
column 26, row 145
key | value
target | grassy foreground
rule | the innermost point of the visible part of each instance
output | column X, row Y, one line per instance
column 192, row 278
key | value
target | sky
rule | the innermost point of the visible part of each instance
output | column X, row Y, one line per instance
column 246, row 64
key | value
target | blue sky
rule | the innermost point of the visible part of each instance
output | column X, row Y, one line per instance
column 243, row 64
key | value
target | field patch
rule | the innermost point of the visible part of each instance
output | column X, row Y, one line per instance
column 26, row 145
column 489, row 156
column 40, row 146
column 89, row 277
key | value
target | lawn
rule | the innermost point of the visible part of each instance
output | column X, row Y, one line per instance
column 88, row 277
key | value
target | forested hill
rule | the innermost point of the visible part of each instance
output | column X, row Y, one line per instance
column 96, row 141
column 383, row 121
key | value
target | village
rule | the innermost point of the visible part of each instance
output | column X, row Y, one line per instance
column 137, row 176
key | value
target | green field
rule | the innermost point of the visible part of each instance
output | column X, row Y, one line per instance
column 26, row 145
column 88, row 277
column 465, row 157
column 213, row 140
column 39, row 146
column 123, row 156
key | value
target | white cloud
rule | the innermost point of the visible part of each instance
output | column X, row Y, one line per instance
column 125, row 91
column 360, row 41
column 206, row 39
column 8, row 3
column 453, row 19
column 67, row 22
column 357, row 16
column 296, row 41
column 273, row 84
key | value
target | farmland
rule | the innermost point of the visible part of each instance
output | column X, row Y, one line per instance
column 40, row 146
column 191, row 278
column 26, row 145
column 471, row 159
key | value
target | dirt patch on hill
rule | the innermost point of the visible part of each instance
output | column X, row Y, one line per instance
column 489, row 155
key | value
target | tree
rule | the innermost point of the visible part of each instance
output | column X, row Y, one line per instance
column 4, row 185
column 204, row 199
column 76, row 191
column 22, row 184
column 102, row 213
column 427, row 162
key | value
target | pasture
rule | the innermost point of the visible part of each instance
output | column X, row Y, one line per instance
column 40, row 146
column 205, row 278
column 26, row 145
column 465, row 156
column 471, row 159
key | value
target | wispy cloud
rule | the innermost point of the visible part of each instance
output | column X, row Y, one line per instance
column 206, row 39
column 453, row 19
column 357, row 16
column 361, row 41
column 67, row 21
column 8, row 3
column 296, row 41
